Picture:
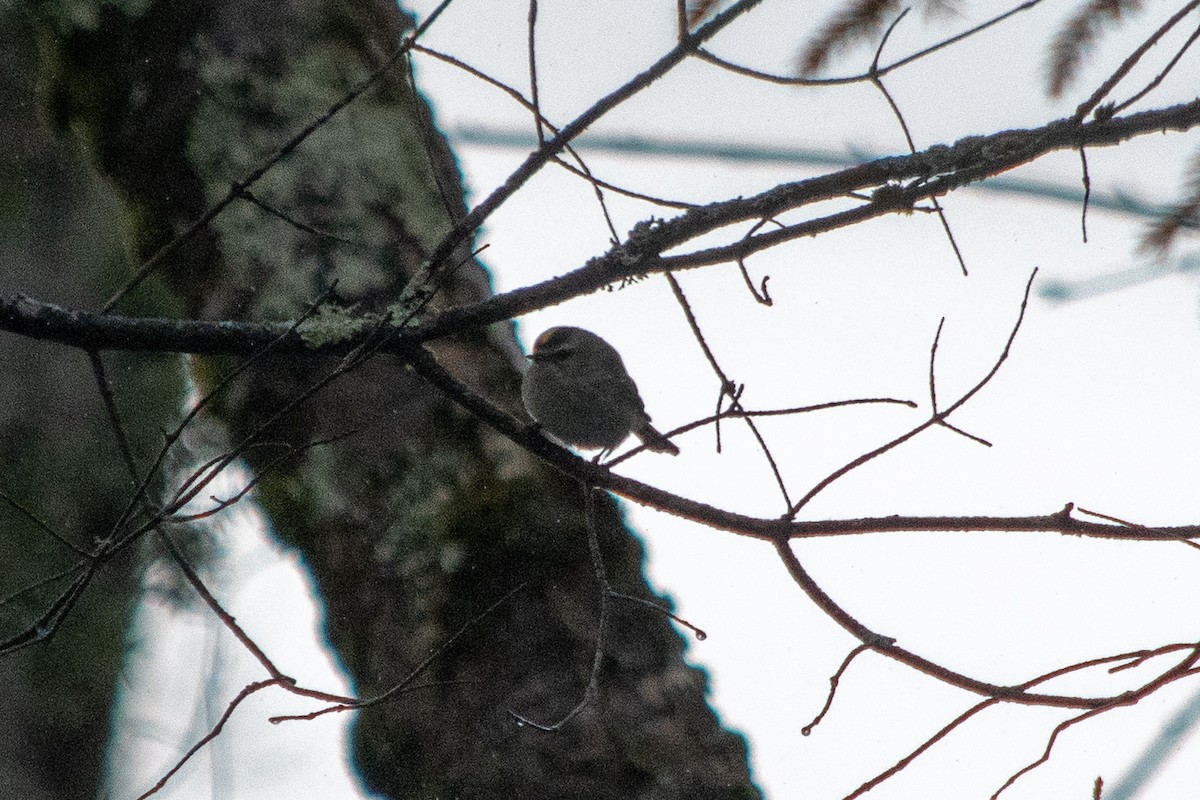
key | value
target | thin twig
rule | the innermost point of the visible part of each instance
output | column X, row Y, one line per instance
column 606, row 592
column 928, row 743
column 140, row 494
column 877, row 82
column 935, row 419
column 937, row 337
column 114, row 413
column 1087, row 191
column 531, row 45
column 760, row 295
column 259, row 203
column 699, row 634
column 261, row 473
column 356, row 91
column 42, row 525
column 405, row 684
column 38, row 584
column 226, row 619
column 542, row 123
column 536, row 160
column 1128, row 64
column 245, row 693
column 52, row 618
column 1119, row 107
column 727, row 384
column 788, row 80
column 1045, row 756
column 739, row 412
column 833, row 686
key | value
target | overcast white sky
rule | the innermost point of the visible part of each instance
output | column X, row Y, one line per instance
column 1092, row 407
column 1095, row 405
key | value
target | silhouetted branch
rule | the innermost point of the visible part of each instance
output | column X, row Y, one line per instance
column 931, row 172
column 1091, row 104
column 833, row 686
column 789, row 80
column 1129, row 658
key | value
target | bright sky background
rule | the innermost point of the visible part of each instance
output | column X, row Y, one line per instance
column 1093, row 407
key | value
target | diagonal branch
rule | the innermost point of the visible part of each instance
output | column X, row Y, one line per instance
column 1019, row 693
column 909, row 179
column 931, row 172
column 466, row 228
column 82, row 329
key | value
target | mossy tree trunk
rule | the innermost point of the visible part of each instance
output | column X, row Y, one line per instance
column 422, row 517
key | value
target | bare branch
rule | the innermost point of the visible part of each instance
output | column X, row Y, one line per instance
column 936, row 418
column 726, row 389
column 833, row 686
column 789, row 80
column 1078, row 36
column 981, row 706
column 1087, row 106
column 967, row 161
column 606, row 593
column 536, row 160
column 245, row 693
column 857, row 21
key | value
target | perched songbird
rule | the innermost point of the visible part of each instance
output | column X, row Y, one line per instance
column 578, row 390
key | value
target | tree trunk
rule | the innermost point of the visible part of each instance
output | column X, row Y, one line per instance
column 421, row 517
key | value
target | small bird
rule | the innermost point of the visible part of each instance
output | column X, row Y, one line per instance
column 578, row 390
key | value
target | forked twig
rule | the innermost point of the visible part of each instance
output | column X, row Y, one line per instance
column 1128, row 64
column 214, row 732
column 936, row 418
column 789, row 80
column 984, row 704
column 1119, row 107
column 727, row 384
column 405, row 684
column 686, row 47
column 877, row 81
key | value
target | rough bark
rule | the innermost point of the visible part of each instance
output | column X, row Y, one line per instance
column 422, row 517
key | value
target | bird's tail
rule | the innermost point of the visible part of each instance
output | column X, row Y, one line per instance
column 656, row 441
